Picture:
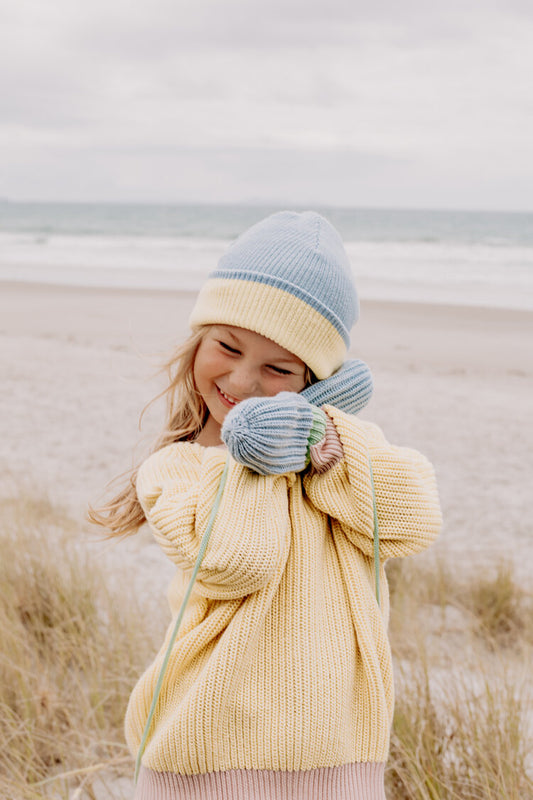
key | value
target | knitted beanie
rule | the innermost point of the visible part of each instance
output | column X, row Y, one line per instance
column 287, row 278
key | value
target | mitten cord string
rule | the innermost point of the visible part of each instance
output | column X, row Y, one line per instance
column 179, row 618
column 376, row 532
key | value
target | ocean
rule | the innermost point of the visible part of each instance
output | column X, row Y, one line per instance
column 458, row 257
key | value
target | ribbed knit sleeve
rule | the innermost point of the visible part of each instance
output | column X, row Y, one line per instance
column 177, row 486
column 407, row 502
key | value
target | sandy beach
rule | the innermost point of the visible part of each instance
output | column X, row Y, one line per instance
column 78, row 365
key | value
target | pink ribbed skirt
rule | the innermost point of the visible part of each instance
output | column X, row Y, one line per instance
column 348, row 782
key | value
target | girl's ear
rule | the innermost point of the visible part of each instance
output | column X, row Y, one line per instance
column 349, row 389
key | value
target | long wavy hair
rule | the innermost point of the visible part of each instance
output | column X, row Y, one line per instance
column 186, row 413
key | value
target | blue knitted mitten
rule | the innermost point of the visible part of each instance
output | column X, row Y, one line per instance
column 272, row 435
column 349, row 389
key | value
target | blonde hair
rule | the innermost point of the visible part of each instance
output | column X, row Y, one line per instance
column 186, row 414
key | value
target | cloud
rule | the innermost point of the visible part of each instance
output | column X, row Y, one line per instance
column 445, row 89
column 275, row 176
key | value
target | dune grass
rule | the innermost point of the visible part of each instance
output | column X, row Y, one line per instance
column 495, row 608
column 461, row 737
column 463, row 722
column 70, row 651
column 69, row 654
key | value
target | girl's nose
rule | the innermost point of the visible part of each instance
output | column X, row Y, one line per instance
column 244, row 382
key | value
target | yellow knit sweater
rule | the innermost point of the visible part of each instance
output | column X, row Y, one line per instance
column 282, row 661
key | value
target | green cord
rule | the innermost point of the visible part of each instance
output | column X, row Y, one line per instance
column 376, row 532
column 201, row 553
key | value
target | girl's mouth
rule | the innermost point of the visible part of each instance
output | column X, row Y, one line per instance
column 226, row 399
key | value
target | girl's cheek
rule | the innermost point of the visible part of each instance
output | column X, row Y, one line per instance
column 287, row 384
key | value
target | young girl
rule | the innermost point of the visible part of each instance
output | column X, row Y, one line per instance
column 279, row 684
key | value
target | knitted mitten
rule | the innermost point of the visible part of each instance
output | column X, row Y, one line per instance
column 349, row 389
column 272, row 435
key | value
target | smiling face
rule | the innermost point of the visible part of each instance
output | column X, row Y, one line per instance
column 232, row 364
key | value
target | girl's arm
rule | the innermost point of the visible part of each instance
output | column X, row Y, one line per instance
column 407, row 502
column 177, row 486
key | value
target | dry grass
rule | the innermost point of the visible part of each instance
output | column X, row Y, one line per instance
column 461, row 737
column 463, row 723
column 70, row 653
column 490, row 604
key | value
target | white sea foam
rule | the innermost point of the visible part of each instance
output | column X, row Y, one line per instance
column 109, row 261
column 476, row 274
column 490, row 271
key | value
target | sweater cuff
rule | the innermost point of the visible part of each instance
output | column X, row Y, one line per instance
column 328, row 451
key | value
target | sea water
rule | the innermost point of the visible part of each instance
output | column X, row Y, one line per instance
column 467, row 258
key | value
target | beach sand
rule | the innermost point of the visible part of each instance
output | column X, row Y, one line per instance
column 78, row 366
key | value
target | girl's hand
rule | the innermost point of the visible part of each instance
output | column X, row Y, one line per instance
column 349, row 389
column 273, row 435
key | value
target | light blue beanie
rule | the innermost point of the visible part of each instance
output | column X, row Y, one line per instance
column 288, row 278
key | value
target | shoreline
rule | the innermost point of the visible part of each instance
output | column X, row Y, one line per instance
column 395, row 335
column 64, row 288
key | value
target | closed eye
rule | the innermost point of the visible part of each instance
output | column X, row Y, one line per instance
column 279, row 370
column 228, row 348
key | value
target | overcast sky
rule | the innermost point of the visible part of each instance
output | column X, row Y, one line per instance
column 408, row 103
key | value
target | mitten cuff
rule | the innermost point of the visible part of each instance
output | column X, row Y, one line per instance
column 318, row 426
column 327, row 452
